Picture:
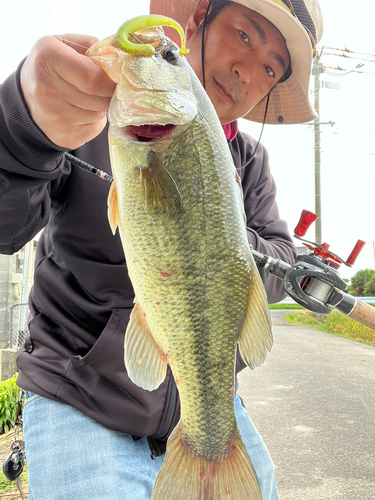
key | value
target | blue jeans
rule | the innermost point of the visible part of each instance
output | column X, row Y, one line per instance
column 70, row 456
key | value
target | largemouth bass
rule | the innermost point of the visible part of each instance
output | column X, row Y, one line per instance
column 178, row 204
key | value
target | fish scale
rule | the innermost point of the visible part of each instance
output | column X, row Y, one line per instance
column 195, row 297
column 178, row 205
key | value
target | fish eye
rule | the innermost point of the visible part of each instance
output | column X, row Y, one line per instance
column 169, row 56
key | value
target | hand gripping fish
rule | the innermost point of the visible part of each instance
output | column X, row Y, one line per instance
column 178, row 204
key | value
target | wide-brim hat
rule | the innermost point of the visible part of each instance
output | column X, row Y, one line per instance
column 301, row 24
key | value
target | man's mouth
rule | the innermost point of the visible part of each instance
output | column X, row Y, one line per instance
column 150, row 133
column 224, row 91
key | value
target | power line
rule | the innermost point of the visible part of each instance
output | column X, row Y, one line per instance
column 348, row 71
column 318, row 69
column 345, row 56
column 348, row 51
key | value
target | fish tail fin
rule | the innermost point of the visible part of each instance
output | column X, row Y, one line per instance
column 187, row 476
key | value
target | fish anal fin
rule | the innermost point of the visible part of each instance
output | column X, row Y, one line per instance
column 187, row 476
column 113, row 214
column 255, row 339
column 144, row 360
column 159, row 188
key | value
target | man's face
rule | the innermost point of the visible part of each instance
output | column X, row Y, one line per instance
column 244, row 57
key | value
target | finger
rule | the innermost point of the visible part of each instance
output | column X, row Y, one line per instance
column 64, row 116
column 79, row 116
column 82, row 129
column 81, row 72
column 89, row 102
column 79, row 99
column 82, row 134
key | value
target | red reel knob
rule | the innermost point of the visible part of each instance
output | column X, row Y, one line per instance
column 305, row 221
column 355, row 252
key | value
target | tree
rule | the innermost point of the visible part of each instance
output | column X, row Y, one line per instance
column 363, row 282
column 370, row 287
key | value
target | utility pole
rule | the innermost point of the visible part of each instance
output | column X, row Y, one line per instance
column 317, row 71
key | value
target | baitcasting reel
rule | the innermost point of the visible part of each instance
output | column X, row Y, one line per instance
column 314, row 282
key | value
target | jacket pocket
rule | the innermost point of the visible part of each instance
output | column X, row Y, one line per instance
column 99, row 386
column 107, row 354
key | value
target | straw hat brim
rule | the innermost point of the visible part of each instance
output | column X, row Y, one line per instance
column 289, row 100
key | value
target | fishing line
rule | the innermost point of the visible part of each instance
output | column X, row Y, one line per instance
column 69, row 42
column 202, row 43
column 135, row 38
column 260, row 136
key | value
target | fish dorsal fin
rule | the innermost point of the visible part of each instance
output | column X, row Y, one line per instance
column 144, row 359
column 160, row 191
column 113, row 216
column 256, row 339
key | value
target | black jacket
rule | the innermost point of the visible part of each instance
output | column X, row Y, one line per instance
column 82, row 296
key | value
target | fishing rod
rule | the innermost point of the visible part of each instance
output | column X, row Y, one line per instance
column 314, row 281
column 89, row 168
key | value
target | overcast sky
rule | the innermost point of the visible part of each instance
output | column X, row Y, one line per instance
column 348, row 147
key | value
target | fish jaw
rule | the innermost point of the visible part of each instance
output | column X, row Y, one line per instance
column 137, row 107
column 150, row 90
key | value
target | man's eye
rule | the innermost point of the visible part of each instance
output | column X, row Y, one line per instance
column 244, row 36
column 270, row 71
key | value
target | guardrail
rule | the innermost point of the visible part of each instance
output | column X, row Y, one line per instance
column 367, row 300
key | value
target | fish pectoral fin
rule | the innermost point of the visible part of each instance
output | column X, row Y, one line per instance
column 255, row 339
column 144, row 359
column 160, row 191
column 113, row 215
column 185, row 475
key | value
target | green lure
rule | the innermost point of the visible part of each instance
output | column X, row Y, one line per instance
column 142, row 22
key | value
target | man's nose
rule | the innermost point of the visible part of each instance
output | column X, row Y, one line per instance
column 244, row 70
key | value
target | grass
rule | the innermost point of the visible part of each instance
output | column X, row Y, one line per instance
column 7, row 486
column 335, row 323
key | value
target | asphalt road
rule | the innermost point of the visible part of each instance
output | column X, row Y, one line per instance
column 313, row 402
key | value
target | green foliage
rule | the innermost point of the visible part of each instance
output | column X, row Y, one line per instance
column 363, row 283
column 7, row 486
column 335, row 323
column 9, row 393
column 362, row 276
column 370, row 287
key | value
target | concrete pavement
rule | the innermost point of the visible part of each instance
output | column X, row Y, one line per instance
column 313, row 402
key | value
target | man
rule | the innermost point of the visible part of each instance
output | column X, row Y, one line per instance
column 88, row 429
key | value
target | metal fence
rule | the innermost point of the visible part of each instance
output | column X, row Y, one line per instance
column 18, row 325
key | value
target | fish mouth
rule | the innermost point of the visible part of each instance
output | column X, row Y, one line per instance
column 151, row 133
